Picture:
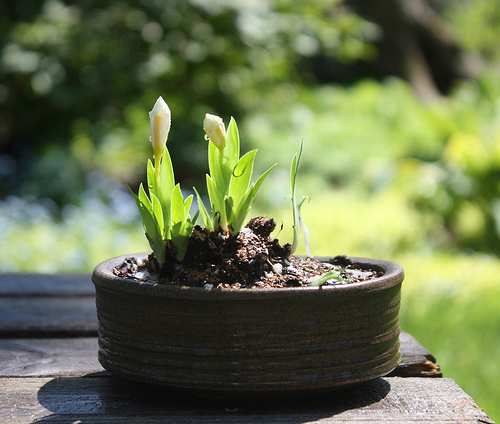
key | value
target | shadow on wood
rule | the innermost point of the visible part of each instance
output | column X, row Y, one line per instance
column 102, row 398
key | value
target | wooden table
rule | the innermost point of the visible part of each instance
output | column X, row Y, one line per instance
column 49, row 373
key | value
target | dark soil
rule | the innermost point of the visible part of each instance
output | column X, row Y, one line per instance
column 252, row 259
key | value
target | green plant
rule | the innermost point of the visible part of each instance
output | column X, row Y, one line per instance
column 165, row 212
column 229, row 184
column 319, row 280
column 298, row 221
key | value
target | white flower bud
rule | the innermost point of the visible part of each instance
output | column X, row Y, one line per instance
column 214, row 128
column 159, row 118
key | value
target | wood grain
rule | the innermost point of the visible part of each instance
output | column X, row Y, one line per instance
column 48, row 357
column 105, row 399
column 47, row 305
column 416, row 360
column 48, row 316
column 43, row 284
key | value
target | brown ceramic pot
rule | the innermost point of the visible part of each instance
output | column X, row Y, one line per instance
column 231, row 342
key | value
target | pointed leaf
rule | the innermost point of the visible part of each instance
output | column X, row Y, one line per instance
column 293, row 180
column 178, row 214
column 152, row 183
column 151, row 227
column 167, row 179
column 207, row 221
column 218, row 207
column 244, row 205
column 143, row 197
column 241, row 176
column 195, row 217
column 146, row 215
column 180, row 237
column 303, row 227
column 242, row 210
column 187, row 204
column 232, row 149
column 215, row 160
column 158, row 214
column 159, row 248
column 182, row 225
column 230, row 210
column 152, row 234
column 212, row 194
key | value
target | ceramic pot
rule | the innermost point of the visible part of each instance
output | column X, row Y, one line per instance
column 232, row 342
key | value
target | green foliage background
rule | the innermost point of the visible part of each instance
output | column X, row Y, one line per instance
column 388, row 176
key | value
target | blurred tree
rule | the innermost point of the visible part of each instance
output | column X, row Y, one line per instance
column 77, row 78
column 478, row 22
column 414, row 41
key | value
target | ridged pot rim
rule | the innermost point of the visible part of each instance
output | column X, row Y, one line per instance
column 103, row 277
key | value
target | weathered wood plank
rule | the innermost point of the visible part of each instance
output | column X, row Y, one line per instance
column 48, row 316
column 43, row 284
column 41, row 305
column 110, row 400
column 48, row 357
column 416, row 360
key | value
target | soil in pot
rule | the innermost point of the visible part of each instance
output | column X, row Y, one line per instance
column 252, row 259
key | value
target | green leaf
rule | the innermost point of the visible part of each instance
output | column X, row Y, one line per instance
column 215, row 160
column 207, row 220
column 158, row 215
column 143, row 197
column 147, row 217
column 230, row 213
column 241, row 176
column 145, row 204
column 152, row 231
column 195, row 217
column 178, row 238
column 181, row 232
column 163, row 191
column 212, row 194
column 242, row 210
column 319, row 280
column 152, row 183
column 187, row 204
column 167, row 179
column 159, row 248
column 182, row 224
column 178, row 212
column 294, row 169
column 218, row 206
column 303, row 228
column 232, row 149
